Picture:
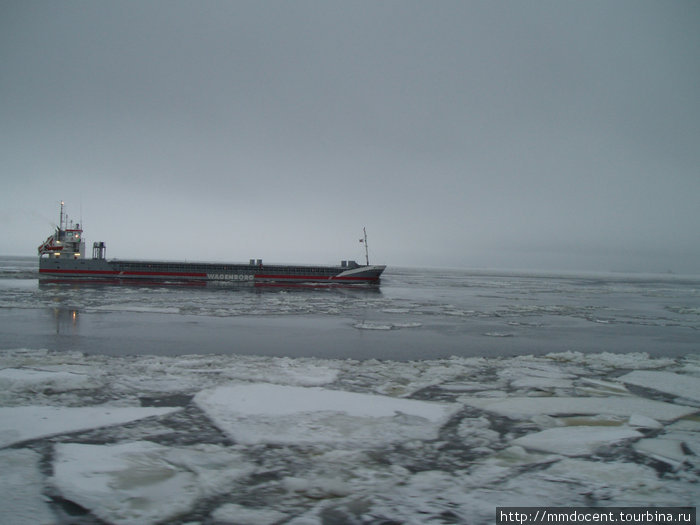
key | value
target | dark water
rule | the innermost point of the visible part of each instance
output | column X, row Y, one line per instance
column 414, row 314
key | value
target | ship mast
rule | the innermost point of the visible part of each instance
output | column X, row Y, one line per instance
column 364, row 230
column 60, row 221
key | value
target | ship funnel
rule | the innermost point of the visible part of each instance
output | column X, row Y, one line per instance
column 99, row 250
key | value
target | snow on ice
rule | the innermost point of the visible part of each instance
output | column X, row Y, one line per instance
column 526, row 407
column 241, row 515
column 575, row 441
column 682, row 386
column 32, row 422
column 266, row 413
column 247, row 439
column 17, row 379
column 21, row 483
column 370, row 325
column 141, row 482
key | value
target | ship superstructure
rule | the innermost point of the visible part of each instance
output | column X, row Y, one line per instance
column 62, row 255
column 66, row 242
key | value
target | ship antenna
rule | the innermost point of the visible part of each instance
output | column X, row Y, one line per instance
column 364, row 230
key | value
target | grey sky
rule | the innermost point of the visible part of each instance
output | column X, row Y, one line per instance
column 543, row 135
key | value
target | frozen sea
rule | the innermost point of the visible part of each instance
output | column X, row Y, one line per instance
column 434, row 398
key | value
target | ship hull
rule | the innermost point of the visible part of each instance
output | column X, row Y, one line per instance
column 204, row 272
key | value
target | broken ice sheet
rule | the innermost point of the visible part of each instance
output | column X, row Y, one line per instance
column 17, row 379
column 240, row 515
column 526, row 407
column 140, row 482
column 505, row 464
column 267, row 413
column 638, row 421
column 472, row 496
column 598, row 387
column 23, row 423
column 541, row 383
column 21, row 485
column 476, row 432
column 531, row 373
column 678, row 444
column 608, row 361
column 575, row 441
column 669, row 451
column 468, row 386
column 606, row 480
column 679, row 385
column 283, row 370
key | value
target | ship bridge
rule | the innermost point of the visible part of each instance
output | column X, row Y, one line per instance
column 66, row 242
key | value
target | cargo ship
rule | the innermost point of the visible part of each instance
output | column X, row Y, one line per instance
column 62, row 255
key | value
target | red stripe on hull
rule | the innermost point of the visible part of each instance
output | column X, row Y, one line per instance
column 123, row 274
column 123, row 282
column 316, row 278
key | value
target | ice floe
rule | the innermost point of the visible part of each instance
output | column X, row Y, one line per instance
column 541, row 383
column 23, row 423
column 286, row 371
column 366, row 325
column 241, row 515
column 477, row 432
column 598, row 387
column 575, row 441
column 678, row 444
column 679, row 385
column 605, row 481
column 609, row 361
column 526, row 407
column 663, row 449
column 140, row 482
column 638, row 421
column 373, row 325
column 21, row 486
column 17, row 379
column 267, row 413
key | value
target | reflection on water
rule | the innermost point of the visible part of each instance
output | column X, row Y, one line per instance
column 218, row 299
column 66, row 321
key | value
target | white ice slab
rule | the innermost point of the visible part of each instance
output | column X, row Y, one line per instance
column 32, row 379
column 268, row 413
column 282, row 370
column 575, row 441
column 611, row 361
column 140, row 483
column 240, row 515
column 32, row 422
column 524, row 367
column 598, row 387
column 675, row 384
column 541, row 383
column 476, row 432
column 368, row 325
column 669, row 451
column 21, row 485
column 638, row 421
column 617, row 480
column 527, row 407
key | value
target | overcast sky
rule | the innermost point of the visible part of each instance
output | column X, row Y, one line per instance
column 540, row 135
